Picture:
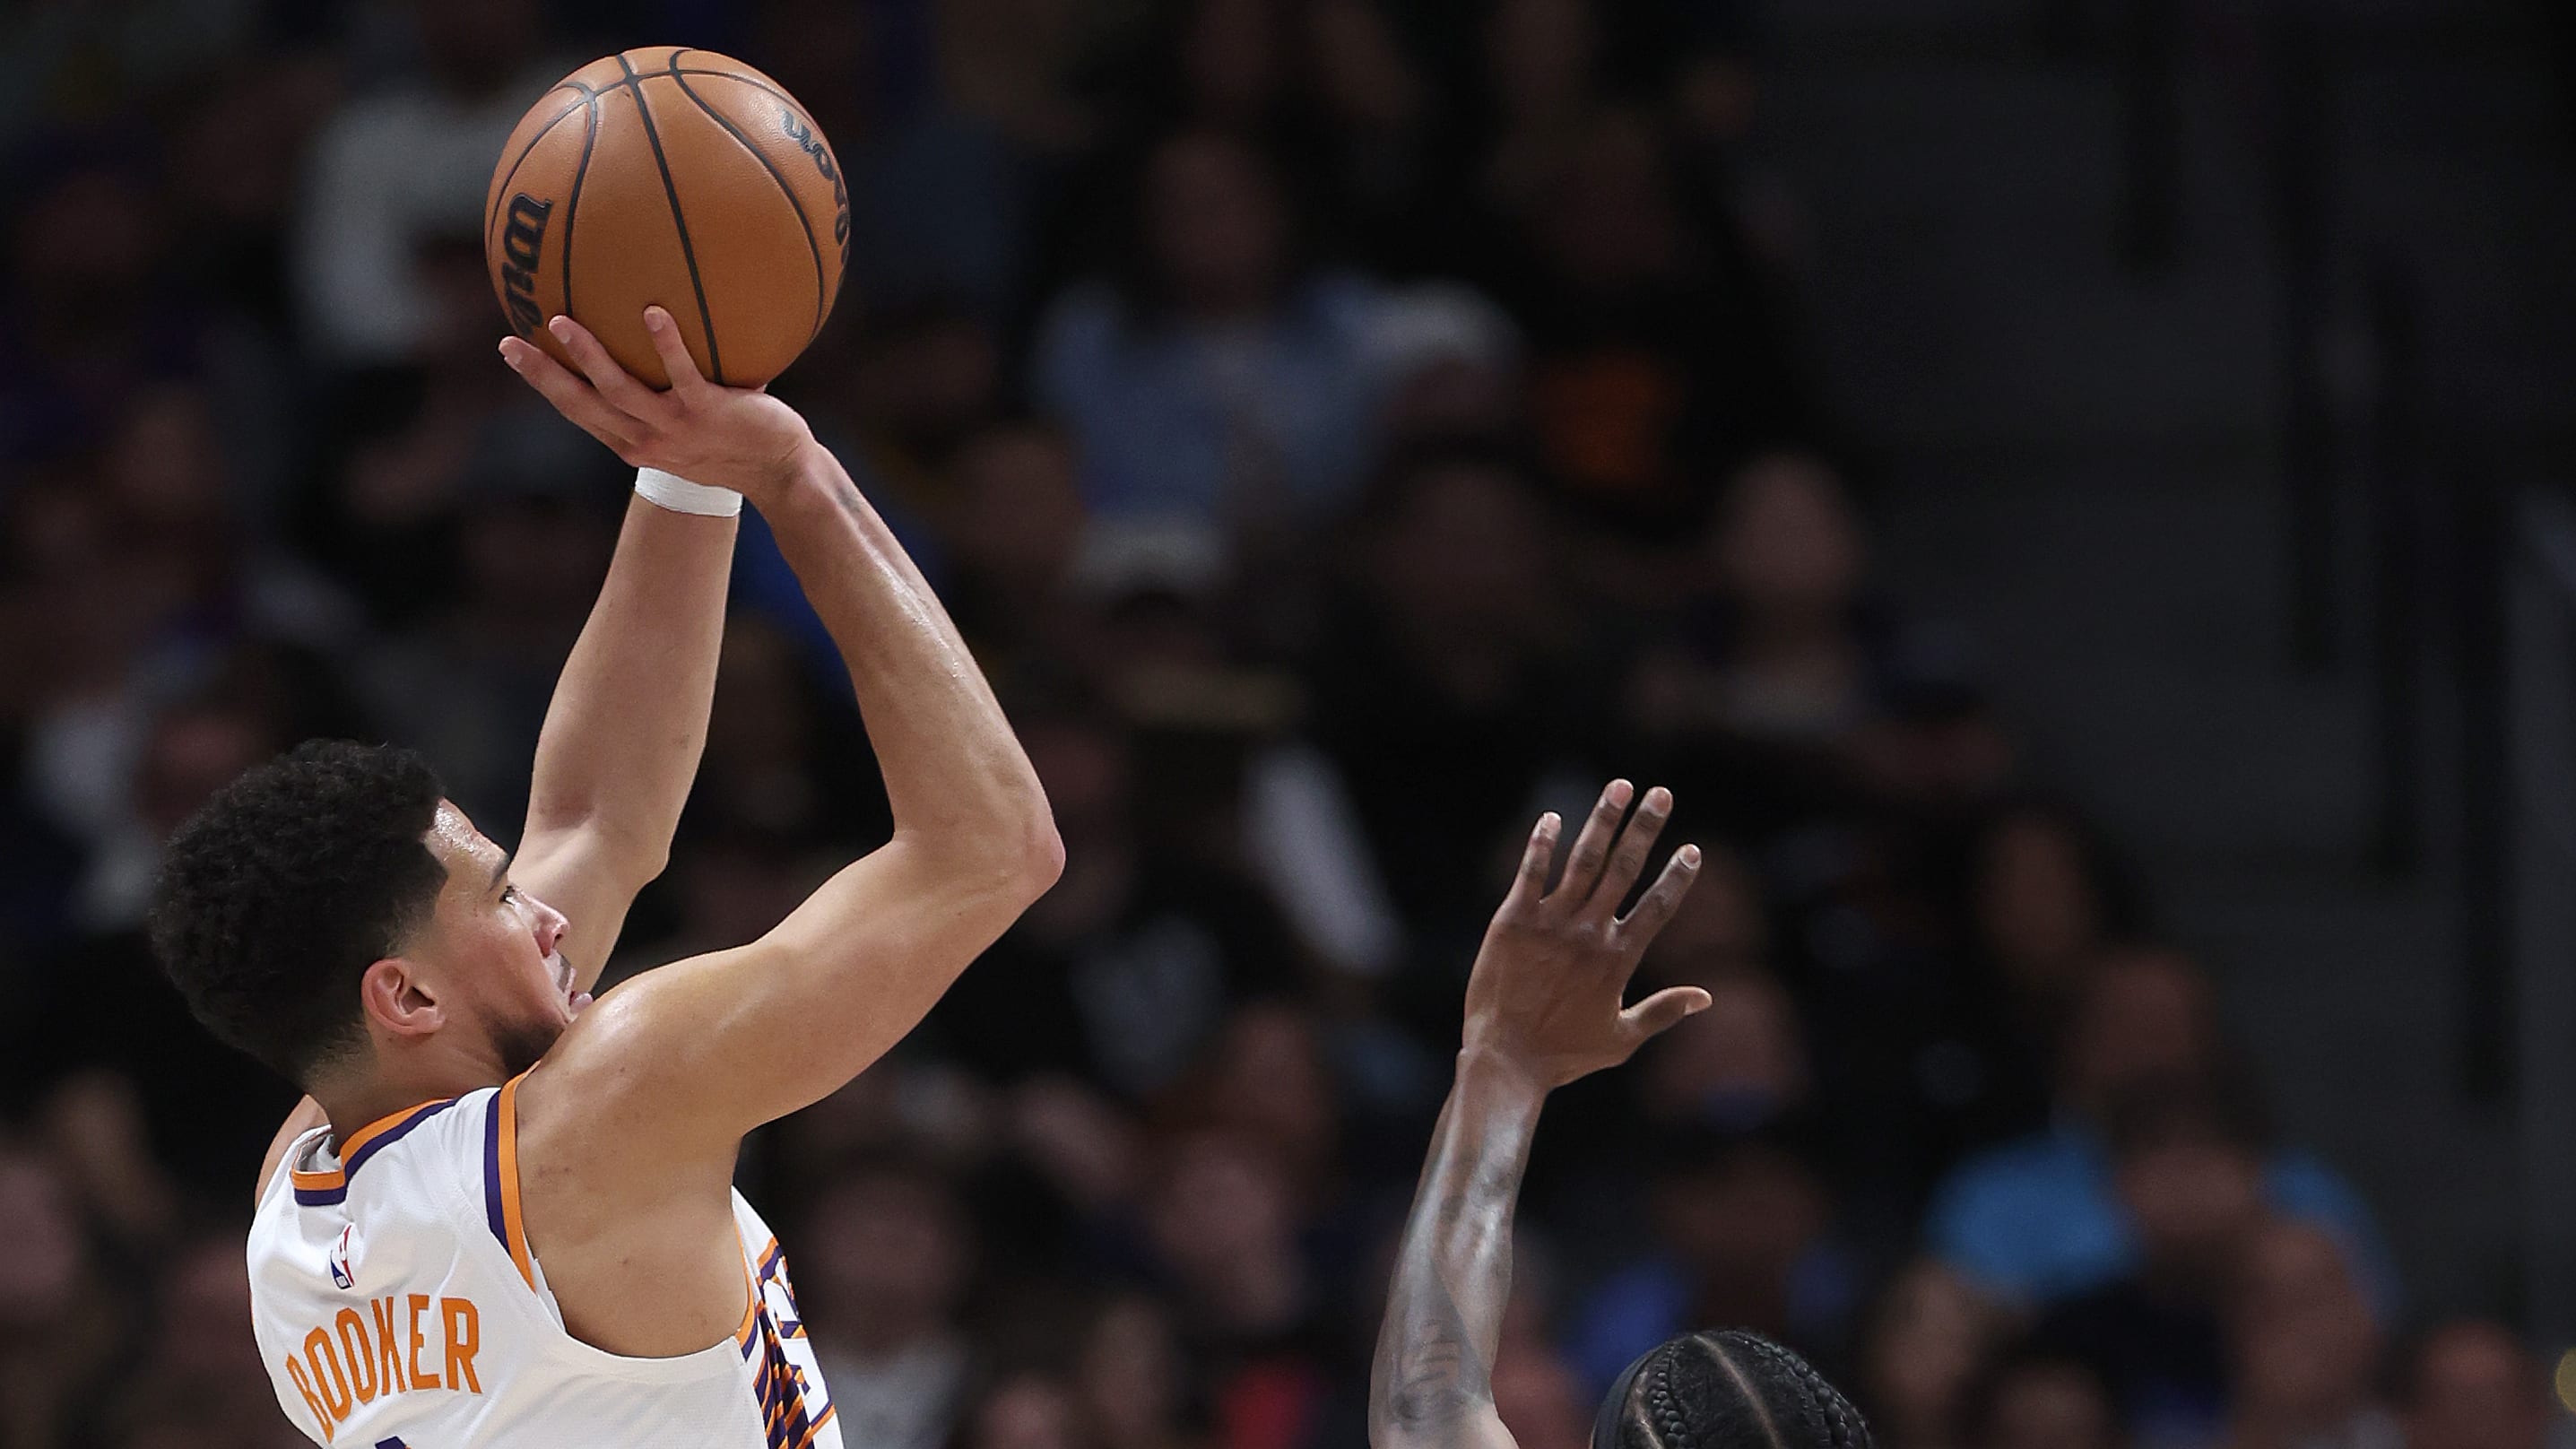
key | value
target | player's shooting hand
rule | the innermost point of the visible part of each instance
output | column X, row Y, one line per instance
column 1545, row 995
column 724, row 437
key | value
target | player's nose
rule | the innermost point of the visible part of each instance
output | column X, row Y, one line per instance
column 551, row 926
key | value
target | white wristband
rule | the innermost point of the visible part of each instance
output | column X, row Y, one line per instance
column 678, row 494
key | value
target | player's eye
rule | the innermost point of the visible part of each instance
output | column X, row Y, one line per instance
column 510, row 895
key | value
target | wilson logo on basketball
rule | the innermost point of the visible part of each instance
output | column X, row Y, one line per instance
column 522, row 242
column 812, row 145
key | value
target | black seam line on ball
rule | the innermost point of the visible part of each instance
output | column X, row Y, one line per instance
column 670, row 193
column 500, row 194
column 572, row 201
column 815, row 248
column 757, row 84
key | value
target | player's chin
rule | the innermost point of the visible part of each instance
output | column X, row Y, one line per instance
column 522, row 1044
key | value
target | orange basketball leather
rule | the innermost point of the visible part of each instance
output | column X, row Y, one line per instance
column 677, row 177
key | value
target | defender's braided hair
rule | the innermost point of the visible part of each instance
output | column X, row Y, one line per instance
column 1727, row 1390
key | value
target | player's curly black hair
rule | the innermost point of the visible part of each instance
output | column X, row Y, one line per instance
column 1726, row 1390
column 279, row 892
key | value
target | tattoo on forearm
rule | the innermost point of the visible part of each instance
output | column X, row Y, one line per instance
column 1436, row 1374
column 1453, row 1276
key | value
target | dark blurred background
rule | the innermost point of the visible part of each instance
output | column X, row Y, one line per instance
column 2067, row 492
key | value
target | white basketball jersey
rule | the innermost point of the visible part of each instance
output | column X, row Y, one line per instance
column 397, row 1306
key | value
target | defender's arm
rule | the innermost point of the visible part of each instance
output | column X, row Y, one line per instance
column 1542, row 1009
column 1432, row 1382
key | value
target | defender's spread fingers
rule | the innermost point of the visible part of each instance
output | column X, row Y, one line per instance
column 1628, row 859
column 1592, row 847
column 1661, row 899
column 1530, row 884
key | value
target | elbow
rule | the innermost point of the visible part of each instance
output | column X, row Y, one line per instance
column 1009, row 861
column 1040, row 854
column 1024, row 836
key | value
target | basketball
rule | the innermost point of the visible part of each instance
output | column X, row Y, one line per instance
column 677, row 177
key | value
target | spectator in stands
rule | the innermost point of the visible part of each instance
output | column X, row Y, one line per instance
column 1127, row 970
column 1131, row 1379
column 1921, row 1354
column 920, row 379
column 2305, row 1348
column 1655, row 362
column 247, row 127
column 881, row 1289
column 1738, row 1065
column 958, row 123
column 88, row 315
column 1221, row 384
column 1265, row 1074
column 2045, row 900
column 205, row 1108
column 1224, row 1230
column 1025, row 1410
column 59, row 1324
column 93, row 1126
column 2039, row 1220
column 1011, row 528
column 2039, row 1398
column 2472, row 1385
column 1326, row 85
column 399, row 163
column 2189, row 1167
column 1779, row 649
column 1743, row 1235
column 198, row 1370
column 470, row 681
column 1449, row 686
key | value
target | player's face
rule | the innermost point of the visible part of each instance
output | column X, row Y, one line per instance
column 494, row 951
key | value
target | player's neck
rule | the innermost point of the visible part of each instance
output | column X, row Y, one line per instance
column 360, row 1100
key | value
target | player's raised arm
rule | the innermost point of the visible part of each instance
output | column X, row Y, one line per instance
column 1543, row 1008
column 628, row 720
column 629, row 716
column 689, row 1058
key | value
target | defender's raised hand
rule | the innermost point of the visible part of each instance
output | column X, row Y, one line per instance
column 724, row 437
column 1546, row 991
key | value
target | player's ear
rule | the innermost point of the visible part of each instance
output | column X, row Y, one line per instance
column 398, row 999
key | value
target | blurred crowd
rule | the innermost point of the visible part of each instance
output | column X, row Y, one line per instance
column 1344, row 428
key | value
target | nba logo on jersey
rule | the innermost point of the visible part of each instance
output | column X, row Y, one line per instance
column 341, row 1273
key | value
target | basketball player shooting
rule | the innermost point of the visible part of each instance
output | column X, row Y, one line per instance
column 1543, row 1009
column 504, row 1217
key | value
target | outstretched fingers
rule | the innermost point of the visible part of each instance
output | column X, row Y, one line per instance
column 1529, row 886
column 1592, row 848
column 1640, row 926
column 572, row 397
column 614, row 383
column 1628, row 858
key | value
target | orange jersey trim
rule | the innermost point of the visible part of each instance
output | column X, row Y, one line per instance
column 355, row 1146
column 505, row 1113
